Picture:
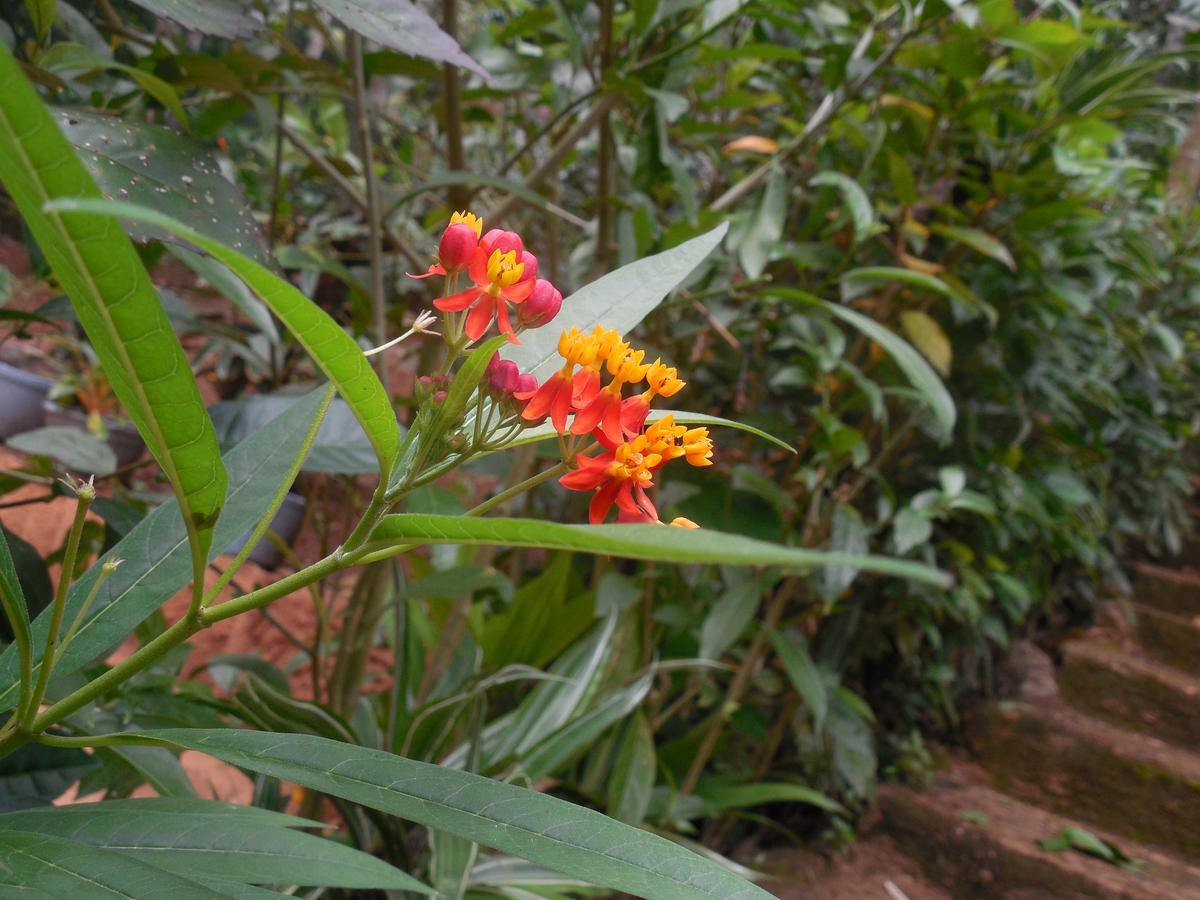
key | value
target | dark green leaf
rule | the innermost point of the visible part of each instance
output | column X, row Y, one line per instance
column 658, row 542
column 543, row 829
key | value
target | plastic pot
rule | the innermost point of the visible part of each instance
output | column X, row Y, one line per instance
column 286, row 524
column 22, row 396
column 123, row 438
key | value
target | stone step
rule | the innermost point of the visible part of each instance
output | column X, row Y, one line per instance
column 1170, row 637
column 978, row 843
column 1128, row 688
column 1076, row 765
column 1169, row 589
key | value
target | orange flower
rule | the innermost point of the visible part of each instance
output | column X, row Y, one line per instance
column 503, row 272
column 604, row 409
column 622, row 474
column 566, row 387
column 662, row 381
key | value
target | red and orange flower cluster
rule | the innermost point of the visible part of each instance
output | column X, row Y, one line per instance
column 632, row 451
column 501, row 272
column 576, row 398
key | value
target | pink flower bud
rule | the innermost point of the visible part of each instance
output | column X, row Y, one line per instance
column 456, row 247
column 504, row 241
column 527, row 386
column 531, row 266
column 540, row 306
column 502, row 375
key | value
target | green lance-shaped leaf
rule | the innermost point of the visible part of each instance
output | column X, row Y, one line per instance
column 405, row 27
column 619, row 300
column 209, row 839
column 115, row 303
column 330, row 347
column 551, row 832
column 16, row 613
column 911, row 363
column 682, row 417
column 861, row 213
column 50, row 866
column 155, row 552
column 657, row 542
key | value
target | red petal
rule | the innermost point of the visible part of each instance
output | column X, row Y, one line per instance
column 560, row 406
column 518, row 292
column 584, row 386
column 633, row 415
column 478, row 267
column 645, row 503
column 586, row 418
column 539, row 403
column 602, row 502
column 435, row 269
column 625, row 499
column 611, row 423
column 458, row 302
column 480, row 317
column 503, row 323
column 583, row 479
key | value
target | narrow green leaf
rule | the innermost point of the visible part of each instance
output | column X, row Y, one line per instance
column 402, row 26
column 911, row 363
column 208, row 839
column 802, row 672
column 631, row 786
column 543, row 829
column 115, row 302
column 657, row 542
column 856, row 281
column 857, row 201
column 158, row 765
column 765, row 227
column 729, row 617
column 727, row 795
column 16, row 614
column 979, row 241
column 56, row 867
column 225, row 18
column 156, row 562
column 330, row 347
column 34, row 775
column 619, row 300
column 682, row 417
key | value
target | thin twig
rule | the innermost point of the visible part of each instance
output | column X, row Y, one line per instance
column 366, row 149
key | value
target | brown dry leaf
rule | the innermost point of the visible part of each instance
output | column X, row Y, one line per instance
column 924, row 266
column 752, row 143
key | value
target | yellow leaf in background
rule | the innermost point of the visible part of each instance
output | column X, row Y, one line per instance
column 752, row 143
column 927, row 336
column 912, row 106
column 924, row 266
column 912, row 226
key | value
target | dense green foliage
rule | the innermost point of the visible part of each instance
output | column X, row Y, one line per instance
column 957, row 283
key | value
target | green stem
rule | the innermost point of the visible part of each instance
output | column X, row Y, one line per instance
column 519, row 488
column 105, row 570
column 85, row 494
column 273, row 507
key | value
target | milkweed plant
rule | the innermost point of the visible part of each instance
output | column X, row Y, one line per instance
column 518, row 363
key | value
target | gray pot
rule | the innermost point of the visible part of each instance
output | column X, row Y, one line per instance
column 123, row 438
column 286, row 524
column 21, row 397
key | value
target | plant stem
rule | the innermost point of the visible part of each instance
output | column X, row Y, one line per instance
column 105, row 571
column 277, row 160
column 85, row 494
column 604, row 150
column 366, row 149
column 452, row 109
column 553, row 161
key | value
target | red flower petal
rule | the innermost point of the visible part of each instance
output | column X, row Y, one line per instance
column 602, row 502
column 458, row 302
column 480, row 317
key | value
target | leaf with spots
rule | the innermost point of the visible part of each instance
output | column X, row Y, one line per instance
column 329, row 345
column 116, row 303
column 159, row 167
